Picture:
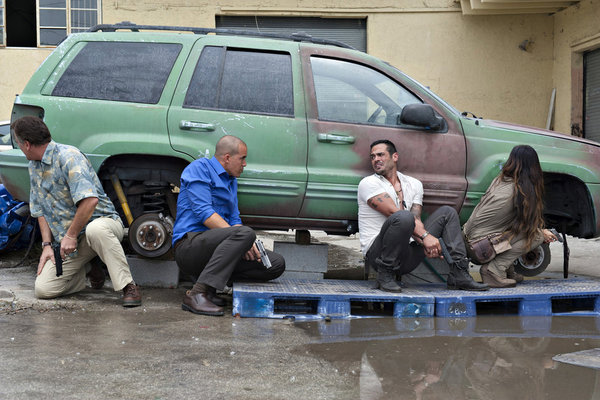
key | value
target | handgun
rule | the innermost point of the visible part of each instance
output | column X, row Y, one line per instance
column 263, row 253
column 447, row 257
column 558, row 236
column 57, row 258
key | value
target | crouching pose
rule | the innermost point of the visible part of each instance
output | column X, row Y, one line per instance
column 209, row 239
column 512, row 210
column 393, row 238
column 71, row 207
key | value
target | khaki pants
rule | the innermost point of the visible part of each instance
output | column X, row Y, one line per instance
column 504, row 260
column 102, row 238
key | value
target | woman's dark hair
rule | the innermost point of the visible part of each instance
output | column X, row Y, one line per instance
column 523, row 168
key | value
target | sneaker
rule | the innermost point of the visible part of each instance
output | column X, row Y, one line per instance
column 132, row 297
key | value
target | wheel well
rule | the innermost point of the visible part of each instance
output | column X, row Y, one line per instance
column 148, row 181
column 568, row 205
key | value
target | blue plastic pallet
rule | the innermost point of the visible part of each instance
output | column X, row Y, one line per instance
column 327, row 299
column 544, row 297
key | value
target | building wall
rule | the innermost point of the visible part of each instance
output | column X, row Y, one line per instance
column 473, row 62
column 16, row 67
column 576, row 30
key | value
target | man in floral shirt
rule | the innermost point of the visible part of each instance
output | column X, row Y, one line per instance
column 72, row 209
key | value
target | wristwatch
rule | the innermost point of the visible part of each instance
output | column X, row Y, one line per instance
column 423, row 236
column 44, row 244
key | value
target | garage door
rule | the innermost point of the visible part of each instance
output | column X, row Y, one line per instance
column 591, row 118
column 351, row 31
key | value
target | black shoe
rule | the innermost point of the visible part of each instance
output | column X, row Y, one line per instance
column 460, row 279
column 386, row 281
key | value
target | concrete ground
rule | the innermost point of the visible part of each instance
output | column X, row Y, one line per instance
column 345, row 262
column 86, row 346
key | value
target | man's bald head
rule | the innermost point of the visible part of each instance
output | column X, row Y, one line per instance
column 231, row 153
column 228, row 144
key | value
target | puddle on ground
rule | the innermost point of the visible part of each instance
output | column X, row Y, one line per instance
column 468, row 358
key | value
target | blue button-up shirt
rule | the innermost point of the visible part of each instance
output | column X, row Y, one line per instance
column 206, row 188
column 60, row 180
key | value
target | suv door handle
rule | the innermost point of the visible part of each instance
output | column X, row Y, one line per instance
column 196, row 126
column 334, row 138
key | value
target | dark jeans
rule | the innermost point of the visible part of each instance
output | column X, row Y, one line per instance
column 391, row 248
column 215, row 257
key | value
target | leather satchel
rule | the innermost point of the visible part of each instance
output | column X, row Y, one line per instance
column 483, row 250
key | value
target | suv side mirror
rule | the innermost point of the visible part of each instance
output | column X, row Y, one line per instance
column 421, row 115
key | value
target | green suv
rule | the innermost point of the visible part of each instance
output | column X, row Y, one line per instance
column 144, row 101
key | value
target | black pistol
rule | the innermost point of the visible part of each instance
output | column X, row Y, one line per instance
column 263, row 253
column 57, row 258
column 558, row 236
column 447, row 257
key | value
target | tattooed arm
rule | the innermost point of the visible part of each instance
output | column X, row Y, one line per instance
column 383, row 203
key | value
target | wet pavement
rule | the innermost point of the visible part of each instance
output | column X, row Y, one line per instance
column 87, row 346
column 459, row 367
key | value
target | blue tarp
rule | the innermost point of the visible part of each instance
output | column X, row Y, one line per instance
column 16, row 227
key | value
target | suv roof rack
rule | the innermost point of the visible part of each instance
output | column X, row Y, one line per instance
column 297, row 37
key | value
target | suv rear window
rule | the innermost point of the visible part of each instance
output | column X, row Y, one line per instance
column 119, row 71
column 239, row 80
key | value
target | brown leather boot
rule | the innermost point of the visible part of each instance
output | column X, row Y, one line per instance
column 495, row 281
column 132, row 297
column 512, row 274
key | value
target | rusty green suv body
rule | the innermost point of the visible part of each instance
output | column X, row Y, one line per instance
column 142, row 105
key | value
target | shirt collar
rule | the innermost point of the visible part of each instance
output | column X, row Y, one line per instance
column 48, row 153
column 218, row 167
column 384, row 179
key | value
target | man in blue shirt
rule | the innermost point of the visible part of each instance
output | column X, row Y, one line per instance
column 209, row 239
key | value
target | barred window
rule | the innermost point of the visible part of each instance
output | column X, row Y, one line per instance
column 42, row 23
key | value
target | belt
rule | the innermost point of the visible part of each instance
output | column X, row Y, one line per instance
column 177, row 243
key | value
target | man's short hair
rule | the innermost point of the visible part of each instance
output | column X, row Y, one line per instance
column 228, row 144
column 391, row 148
column 31, row 129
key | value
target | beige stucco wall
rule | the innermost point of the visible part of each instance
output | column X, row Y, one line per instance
column 576, row 30
column 473, row 62
column 16, row 67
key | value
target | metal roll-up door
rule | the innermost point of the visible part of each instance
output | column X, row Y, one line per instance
column 591, row 118
column 351, row 31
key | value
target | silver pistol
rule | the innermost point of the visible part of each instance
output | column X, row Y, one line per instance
column 263, row 253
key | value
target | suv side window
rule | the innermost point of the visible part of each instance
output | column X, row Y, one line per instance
column 119, row 71
column 354, row 93
column 240, row 80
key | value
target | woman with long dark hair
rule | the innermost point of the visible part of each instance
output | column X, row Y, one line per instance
column 511, row 211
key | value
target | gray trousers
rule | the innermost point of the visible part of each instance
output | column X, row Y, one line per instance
column 214, row 257
column 392, row 249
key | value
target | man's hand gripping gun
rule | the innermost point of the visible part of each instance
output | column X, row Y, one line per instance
column 263, row 253
column 57, row 258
